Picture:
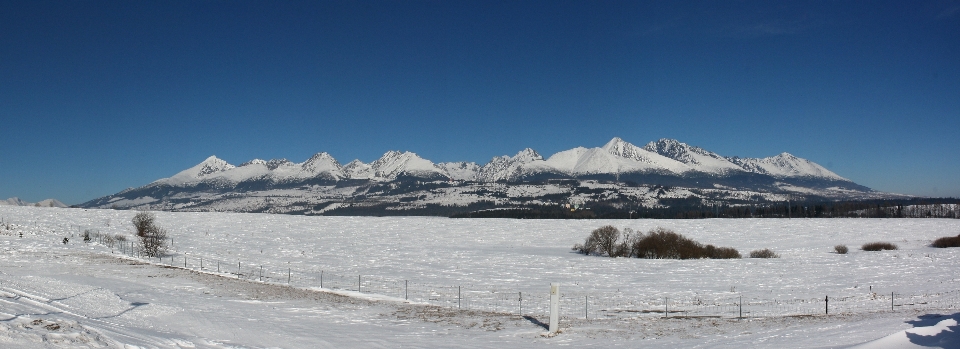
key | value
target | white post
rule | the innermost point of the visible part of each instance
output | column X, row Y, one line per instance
column 554, row 307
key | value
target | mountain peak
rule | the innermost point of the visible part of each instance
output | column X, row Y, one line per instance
column 786, row 165
column 613, row 142
column 698, row 158
column 617, row 156
column 507, row 168
column 321, row 163
column 320, row 155
column 321, row 158
column 213, row 164
column 273, row 164
column 665, row 146
column 15, row 201
column 662, row 161
column 676, row 150
column 212, row 159
column 358, row 170
column 619, row 147
column 394, row 163
column 254, row 162
column 527, row 155
column 210, row 166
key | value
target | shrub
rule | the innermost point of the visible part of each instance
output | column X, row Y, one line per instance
column 665, row 244
column 588, row 247
column 142, row 222
column 606, row 241
column 764, row 253
column 659, row 243
column 877, row 246
column 840, row 249
column 949, row 241
column 108, row 240
column 584, row 248
column 86, row 236
column 579, row 248
column 722, row 252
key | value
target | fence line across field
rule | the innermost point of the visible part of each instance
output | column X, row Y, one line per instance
column 590, row 305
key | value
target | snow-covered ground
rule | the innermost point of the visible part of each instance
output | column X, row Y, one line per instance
column 88, row 295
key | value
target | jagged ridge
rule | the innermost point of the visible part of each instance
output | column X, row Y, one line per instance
column 665, row 162
column 617, row 157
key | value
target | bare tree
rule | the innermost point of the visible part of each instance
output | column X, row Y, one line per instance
column 606, row 239
column 142, row 222
column 154, row 242
column 153, row 239
column 601, row 241
column 588, row 247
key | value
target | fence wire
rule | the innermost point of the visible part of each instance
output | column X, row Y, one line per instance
column 590, row 305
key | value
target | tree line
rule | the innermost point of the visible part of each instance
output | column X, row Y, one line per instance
column 899, row 208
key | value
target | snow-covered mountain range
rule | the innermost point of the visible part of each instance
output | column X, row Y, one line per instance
column 322, row 181
column 44, row 203
column 617, row 157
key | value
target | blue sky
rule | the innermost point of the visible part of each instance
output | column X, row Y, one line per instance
column 99, row 96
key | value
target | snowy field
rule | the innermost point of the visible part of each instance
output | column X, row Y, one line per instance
column 438, row 282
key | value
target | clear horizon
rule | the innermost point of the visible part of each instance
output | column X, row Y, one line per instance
column 99, row 97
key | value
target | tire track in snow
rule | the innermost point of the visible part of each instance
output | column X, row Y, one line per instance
column 106, row 329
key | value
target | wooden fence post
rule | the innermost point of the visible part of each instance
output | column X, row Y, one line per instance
column 554, row 307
